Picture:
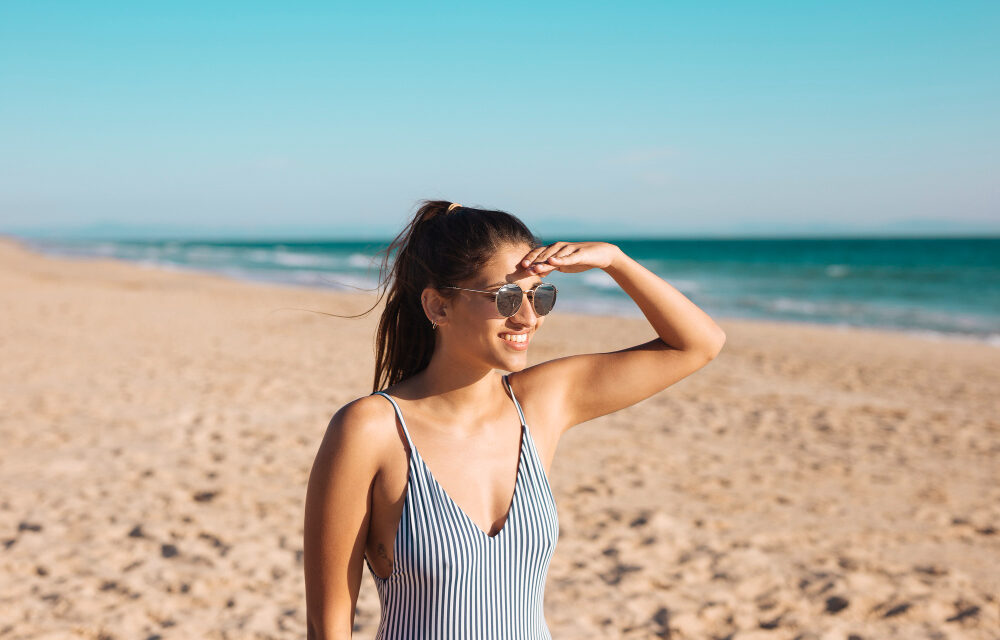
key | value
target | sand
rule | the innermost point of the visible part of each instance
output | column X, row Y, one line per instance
column 158, row 428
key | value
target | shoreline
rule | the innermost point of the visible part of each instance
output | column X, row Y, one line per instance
column 920, row 334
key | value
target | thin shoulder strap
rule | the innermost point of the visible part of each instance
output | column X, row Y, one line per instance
column 399, row 414
column 516, row 403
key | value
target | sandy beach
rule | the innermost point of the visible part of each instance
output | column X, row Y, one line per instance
column 158, row 428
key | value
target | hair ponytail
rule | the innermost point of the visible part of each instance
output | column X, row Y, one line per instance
column 437, row 247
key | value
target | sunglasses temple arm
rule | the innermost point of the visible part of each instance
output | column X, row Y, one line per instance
column 475, row 290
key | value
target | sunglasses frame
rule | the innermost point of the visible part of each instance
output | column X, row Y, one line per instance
column 530, row 293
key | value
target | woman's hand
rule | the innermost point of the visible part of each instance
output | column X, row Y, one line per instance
column 570, row 257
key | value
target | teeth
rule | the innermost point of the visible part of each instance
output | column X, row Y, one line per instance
column 510, row 337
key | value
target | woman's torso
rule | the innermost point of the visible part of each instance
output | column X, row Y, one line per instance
column 462, row 526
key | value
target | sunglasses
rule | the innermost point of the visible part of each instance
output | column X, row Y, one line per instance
column 509, row 297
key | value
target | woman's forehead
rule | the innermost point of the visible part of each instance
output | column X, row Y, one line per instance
column 505, row 266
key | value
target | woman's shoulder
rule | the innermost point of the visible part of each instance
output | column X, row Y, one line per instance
column 369, row 416
column 533, row 393
column 525, row 385
column 362, row 427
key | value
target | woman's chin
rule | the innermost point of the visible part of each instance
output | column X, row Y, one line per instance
column 515, row 361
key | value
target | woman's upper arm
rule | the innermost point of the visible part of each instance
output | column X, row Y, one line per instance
column 590, row 385
column 337, row 513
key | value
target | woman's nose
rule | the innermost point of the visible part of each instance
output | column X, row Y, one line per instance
column 525, row 314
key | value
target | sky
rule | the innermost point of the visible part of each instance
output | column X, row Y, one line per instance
column 612, row 119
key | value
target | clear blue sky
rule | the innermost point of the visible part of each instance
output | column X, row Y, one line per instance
column 642, row 117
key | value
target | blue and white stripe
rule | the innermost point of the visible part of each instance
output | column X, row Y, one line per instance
column 452, row 581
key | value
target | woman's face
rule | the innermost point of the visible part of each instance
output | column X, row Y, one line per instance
column 478, row 328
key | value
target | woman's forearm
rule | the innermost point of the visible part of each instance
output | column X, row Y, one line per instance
column 679, row 322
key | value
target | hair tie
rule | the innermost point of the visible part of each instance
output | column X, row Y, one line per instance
column 452, row 206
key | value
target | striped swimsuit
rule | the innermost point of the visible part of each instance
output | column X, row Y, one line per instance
column 452, row 581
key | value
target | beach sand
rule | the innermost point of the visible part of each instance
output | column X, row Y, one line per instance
column 158, row 428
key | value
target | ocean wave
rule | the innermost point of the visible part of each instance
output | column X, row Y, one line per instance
column 336, row 280
column 204, row 253
column 599, row 280
column 361, row 261
column 259, row 255
column 340, row 281
column 292, row 259
column 992, row 340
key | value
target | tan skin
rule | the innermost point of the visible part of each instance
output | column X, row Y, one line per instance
column 464, row 424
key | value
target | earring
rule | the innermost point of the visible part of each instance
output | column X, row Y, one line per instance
column 433, row 325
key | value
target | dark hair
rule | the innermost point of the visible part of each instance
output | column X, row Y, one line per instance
column 438, row 247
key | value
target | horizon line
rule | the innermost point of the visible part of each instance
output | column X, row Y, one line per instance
column 616, row 238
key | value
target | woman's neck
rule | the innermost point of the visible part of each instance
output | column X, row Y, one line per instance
column 456, row 390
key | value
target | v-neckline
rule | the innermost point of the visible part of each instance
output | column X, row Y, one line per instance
column 513, row 498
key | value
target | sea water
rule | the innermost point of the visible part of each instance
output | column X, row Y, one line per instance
column 948, row 287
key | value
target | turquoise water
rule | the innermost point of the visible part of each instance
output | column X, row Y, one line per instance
column 948, row 286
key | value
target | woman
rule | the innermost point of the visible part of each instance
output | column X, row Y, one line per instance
column 450, row 508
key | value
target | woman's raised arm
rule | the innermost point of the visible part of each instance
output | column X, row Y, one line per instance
column 337, row 513
column 595, row 384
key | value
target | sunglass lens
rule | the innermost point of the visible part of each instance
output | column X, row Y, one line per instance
column 544, row 298
column 509, row 299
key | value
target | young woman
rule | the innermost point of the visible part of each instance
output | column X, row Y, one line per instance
column 435, row 480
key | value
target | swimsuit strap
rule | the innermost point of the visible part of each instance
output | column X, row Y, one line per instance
column 399, row 414
column 516, row 403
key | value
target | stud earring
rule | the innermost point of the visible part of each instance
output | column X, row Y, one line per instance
column 433, row 325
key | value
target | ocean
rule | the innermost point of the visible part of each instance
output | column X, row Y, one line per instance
column 937, row 287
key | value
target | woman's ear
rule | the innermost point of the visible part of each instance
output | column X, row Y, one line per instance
column 435, row 306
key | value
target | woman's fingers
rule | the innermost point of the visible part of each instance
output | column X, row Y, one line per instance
column 543, row 260
column 549, row 251
column 569, row 257
column 530, row 256
column 542, row 269
column 564, row 253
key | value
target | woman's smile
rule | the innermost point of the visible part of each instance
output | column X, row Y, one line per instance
column 516, row 341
